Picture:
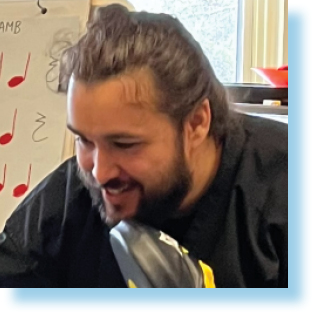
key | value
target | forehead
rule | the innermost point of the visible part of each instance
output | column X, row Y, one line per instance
column 123, row 102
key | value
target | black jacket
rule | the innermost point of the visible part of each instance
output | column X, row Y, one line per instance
column 56, row 238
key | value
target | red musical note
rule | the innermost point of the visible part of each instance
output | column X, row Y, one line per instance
column 3, row 179
column 17, row 80
column 1, row 60
column 21, row 189
column 7, row 137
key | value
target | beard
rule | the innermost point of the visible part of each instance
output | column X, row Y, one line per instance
column 158, row 203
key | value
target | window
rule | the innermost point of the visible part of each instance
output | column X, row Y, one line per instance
column 235, row 35
column 213, row 23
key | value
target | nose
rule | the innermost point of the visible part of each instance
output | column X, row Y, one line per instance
column 105, row 167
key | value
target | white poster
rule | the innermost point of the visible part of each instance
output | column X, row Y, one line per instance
column 32, row 113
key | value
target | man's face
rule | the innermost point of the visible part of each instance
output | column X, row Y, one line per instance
column 130, row 156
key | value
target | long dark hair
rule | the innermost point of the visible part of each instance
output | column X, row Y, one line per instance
column 119, row 41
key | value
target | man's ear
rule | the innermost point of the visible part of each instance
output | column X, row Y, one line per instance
column 197, row 124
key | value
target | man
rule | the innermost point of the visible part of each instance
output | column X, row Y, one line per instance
column 155, row 142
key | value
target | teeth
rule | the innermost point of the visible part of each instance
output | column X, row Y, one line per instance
column 117, row 191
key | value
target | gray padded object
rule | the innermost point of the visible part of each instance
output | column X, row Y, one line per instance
column 152, row 259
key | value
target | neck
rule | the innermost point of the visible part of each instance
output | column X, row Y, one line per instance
column 204, row 163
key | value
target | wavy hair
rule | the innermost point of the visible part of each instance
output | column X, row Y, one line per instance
column 119, row 41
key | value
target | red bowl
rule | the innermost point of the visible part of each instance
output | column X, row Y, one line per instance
column 277, row 78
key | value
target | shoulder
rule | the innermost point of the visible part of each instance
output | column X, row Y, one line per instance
column 262, row 170
column 45, row 211
column 43, row 231
column 266, row 146
column 265, row 133
column 55, row 188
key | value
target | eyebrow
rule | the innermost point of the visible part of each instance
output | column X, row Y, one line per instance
column 74, row 131
column 113, row 136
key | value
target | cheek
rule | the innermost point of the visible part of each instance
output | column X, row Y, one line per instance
column 148, row 169
column 84, row 159
column 137, row 169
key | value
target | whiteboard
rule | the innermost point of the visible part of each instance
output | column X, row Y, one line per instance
column 32, row 114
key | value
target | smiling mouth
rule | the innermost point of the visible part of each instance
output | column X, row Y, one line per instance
column 117, row 191
column 121, row 201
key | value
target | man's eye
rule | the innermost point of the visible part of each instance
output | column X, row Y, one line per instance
column 125, row 145
column 83, row 141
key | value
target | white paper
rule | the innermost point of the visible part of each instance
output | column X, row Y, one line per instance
column 32, row 114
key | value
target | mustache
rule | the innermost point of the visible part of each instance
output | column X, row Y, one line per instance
column 89, row 181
